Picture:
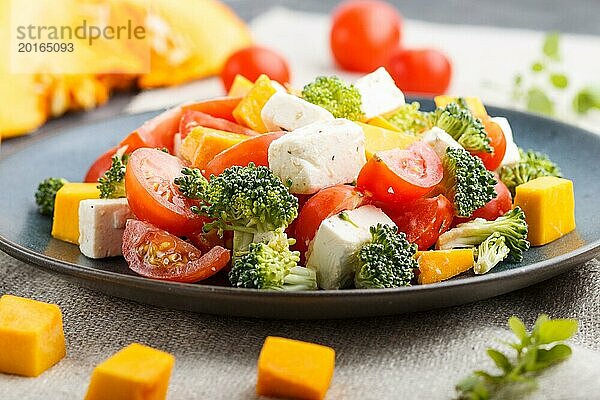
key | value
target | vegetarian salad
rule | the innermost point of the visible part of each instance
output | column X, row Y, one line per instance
column 336, row 186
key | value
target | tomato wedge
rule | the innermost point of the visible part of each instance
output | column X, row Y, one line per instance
column 423, row 220
column 152, row 195
column 495, row 208
column 100, row 166
column 497, row 141
column 322, row 205
column 157, row 132
column 191, row 119
column 401, row 175
column 254, row 150
column 221, row 107
column 154, row 253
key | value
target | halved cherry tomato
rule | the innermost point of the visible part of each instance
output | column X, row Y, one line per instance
column 495, row 208
column 157, row 132
column 254, row 150
column 322, row 205
column 100, row 166
column 420, row 71
column 497, row 141
column 364, row 34
column 192, row 118
column 152, row 195
column 252, row 62
column 156, row 254
column 423, row 220
column 401, row 175
column 221, row 107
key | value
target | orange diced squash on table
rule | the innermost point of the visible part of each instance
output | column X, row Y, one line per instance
column 380, row 139
column 383, row 123
column 549, row 206
column 247, row 113
column 240, row 86
column 31, row 336
column 439, row 265
column 65, row 225
column 202, row 144
column 135, row 372
column 293, row 369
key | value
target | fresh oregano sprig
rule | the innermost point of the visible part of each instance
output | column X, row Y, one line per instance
column 532, row 352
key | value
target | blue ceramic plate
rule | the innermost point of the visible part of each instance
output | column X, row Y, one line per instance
column 25, row 234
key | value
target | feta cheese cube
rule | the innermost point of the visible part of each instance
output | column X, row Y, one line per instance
column 379, row 93
column 101, row 226
column 512, row 155
column 332, row 253
column 319, row 155
column 289, row 112
column 440, row 140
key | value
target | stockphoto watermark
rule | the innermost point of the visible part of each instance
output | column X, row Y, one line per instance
column 78, row 37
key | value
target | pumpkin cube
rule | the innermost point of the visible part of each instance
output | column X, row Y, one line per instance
column 549, row 206
column 31, row 336
column 440, row 265
column 247, row 113
column 240, row 86
column 65, row 225
column 380, row 139
column 135, row 372
column 202, row 144
column 294, row 369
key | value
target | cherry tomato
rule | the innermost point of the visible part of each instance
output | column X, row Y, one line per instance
column 497, row 141
column 495, row 208
column 152, row 195
column 252, row 62
column 423, row 220
column 401, row 175
column 364, row 34
column 192, row 118
column 157, row 132
column 100, row 166
column 254, row 150
column 422, row 71
column 156, row 254
column 221, row 107
column 322, row 205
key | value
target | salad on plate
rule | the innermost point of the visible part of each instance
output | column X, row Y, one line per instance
column 336, row 186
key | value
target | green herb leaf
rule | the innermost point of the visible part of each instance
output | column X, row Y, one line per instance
column 586, row 99
column 537, row 66
column 530, row 358
column 500, row 360
column 557, row 353
column 538, row 101
column 518, row 327
column 556, row 330
column 551, row 46
column 559, row 81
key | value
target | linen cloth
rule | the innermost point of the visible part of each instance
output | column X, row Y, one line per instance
column 412, row 356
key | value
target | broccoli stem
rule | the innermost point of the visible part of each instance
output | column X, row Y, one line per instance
column 300, row 278
column 241, row 241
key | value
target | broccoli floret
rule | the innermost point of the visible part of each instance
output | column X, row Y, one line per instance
column 272, row 266
column 467, row 183
column 334, row 95
column 490, row 253
column 250, row 201
column 387, row 261
column 467, row 130
column 408, row 118
column 532, row 165
column 46, row 194
column 112, row 183
column 511, row 226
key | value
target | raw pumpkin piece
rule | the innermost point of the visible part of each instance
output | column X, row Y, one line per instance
column 474, row 104
column 202, row 144
column 380, row 139
column 135, row 372
column 383, row 123
column 65, row 225
column 294, row 369
column 439, row 265
column 31, row 336
column 247, row 113
column 549, row 206
column 240, row 86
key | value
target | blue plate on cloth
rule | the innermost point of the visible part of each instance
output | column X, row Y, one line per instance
column 25, row 234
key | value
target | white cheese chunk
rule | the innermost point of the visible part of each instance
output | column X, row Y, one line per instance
column 319, row 155
column 439, row 140
column 289, row 112
column 512, row 155
column 332, row 253
column 278, row 87
column 101, row 226
column 379, row 93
